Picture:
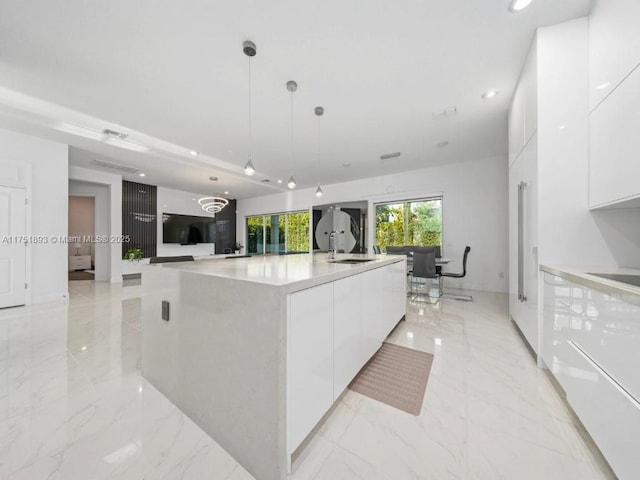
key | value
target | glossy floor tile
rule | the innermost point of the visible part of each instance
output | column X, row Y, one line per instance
column 73, row 404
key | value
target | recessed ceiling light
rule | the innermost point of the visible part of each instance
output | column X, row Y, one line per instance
column 142, row 174
column 489, row 94
column 226, row 193
column 193, row 152
column 518, row 5
column 604, row 85
column 279, row 181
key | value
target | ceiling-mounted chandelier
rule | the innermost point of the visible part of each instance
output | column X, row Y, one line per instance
column 213, row 204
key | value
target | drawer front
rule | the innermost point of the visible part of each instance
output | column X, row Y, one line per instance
column 611, row 415
column 612, row 338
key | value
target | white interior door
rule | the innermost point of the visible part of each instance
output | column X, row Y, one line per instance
column 12, row 247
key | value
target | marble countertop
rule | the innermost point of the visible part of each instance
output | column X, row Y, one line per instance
column 581, row 275
column 296, row 272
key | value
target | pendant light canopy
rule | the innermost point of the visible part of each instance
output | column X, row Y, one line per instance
column 249, row 49
column 292, row 87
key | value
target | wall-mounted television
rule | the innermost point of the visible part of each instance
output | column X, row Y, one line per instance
column 188, row 229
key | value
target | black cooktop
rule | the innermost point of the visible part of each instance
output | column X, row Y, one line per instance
column 619, row 277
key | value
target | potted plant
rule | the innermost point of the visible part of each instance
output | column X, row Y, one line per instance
column 237, row 247
column 133, row 255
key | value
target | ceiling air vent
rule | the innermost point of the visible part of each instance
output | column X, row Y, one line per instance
column 113, row 133
column 113, row 166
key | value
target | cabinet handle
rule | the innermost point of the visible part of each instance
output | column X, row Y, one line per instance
column 521, row 290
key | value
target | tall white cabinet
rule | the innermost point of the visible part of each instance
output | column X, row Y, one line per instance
column 523, row 201
column 548, row 160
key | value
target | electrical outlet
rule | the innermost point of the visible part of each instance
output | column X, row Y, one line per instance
column 165, row 310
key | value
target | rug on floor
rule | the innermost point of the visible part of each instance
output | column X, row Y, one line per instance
column 81, row 276
column 396, row 376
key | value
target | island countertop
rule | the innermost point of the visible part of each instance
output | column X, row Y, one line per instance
column 257, row 350
column 294, row 272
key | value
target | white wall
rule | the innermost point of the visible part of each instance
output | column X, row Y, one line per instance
column 569, row 233
column 474, row 212
column 44, row 167
column 102, row 216
column 113, row 184
column 183, row 203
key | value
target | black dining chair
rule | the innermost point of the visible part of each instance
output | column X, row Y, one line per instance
column 376, row 249
column 424, row 267
column 466, row 298
column 395, row 250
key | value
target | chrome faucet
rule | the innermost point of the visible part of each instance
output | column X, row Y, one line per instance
column 332, row 244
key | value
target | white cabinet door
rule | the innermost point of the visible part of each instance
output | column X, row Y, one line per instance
column 310, row 360
column 12, row 248
column 372, row 311
column 516, row 124
column 347, row 332
column 614, row 45
column 523, row 227
column 614, row 169
column 396, row 279
column 529, row 81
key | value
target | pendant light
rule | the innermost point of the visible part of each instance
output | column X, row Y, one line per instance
column 292, row 87
column 319, row 111
column 249, row 49
column 213, row 204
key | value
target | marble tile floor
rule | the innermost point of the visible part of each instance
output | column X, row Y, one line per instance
column 73, row 405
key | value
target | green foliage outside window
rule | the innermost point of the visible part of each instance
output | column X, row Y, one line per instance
column 278, row 233
column 409, row 223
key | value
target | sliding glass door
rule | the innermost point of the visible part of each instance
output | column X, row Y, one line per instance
column 412, row 222
column 278, row 233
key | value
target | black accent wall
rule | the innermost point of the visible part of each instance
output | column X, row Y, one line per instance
column 139, row 222
column 226, row 228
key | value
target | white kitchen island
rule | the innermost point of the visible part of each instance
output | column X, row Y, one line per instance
column 256, row 350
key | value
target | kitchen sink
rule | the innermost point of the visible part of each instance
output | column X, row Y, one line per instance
column 352, row 261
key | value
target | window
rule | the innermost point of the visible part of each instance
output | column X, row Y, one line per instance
column 413, row 222
column 278, row 233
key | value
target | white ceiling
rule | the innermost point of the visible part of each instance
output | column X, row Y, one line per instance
column 166, row 71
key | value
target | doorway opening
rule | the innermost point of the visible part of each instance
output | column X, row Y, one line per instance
column 81, row 238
